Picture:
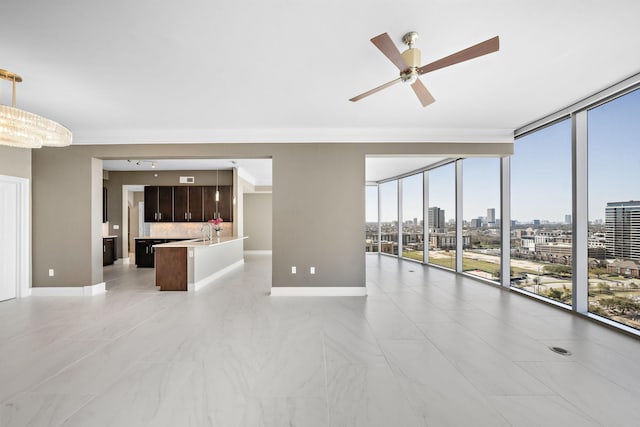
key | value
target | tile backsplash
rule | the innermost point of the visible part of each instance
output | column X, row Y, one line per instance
column 184, row 229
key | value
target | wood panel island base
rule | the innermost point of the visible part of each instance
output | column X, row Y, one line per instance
column 192, row 264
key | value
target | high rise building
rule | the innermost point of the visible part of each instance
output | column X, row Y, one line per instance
column 436, row 218
column 567, row 219
column 491, row 217
column 622, row 227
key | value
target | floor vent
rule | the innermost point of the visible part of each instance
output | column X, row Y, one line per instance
column 560, row 350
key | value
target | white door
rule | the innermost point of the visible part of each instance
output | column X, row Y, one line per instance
column 8, row 240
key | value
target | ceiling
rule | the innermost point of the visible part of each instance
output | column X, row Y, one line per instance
column 255, row 71
column 256, row 171
column 259, row 171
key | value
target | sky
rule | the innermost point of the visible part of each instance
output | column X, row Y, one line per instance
column 540, row 172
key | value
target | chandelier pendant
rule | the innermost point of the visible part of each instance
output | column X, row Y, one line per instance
column 19, row 128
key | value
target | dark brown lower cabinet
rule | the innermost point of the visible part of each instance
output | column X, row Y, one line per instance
column 108, row 250
column 145, row 252
column 171, row 269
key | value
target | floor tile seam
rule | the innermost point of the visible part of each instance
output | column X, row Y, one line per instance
column 326, row 379
column 31, row 389
column 403, row 312
column 619, row 351
column 565, row 397
column 440, row 351
column 70, row 365
column 10, row 340
column 134, row 327
column 603, row 346
column 458, row 365
column 521, row 395
column 603, row 376
column 455, row 365
column 497, row 349
column 397, row 381
column 113, row 317
column 578, row 411
column 64, row 421
column 95, row 397
column 574, row 409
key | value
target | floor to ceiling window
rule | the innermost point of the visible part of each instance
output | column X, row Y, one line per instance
column 603, row 190
column 412, row 221
column 614, row 209
column 541, row 195
column 481, row 227
column 442, row 216
column 371, row 220
column 388, row 200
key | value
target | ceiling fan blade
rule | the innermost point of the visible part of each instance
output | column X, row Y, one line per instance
column 487, row 46
column 389, row 49
column 422, row 93
column 374, row 90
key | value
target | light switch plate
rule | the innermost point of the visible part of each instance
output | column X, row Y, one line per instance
column 116, row 227
column 51, row 272
column 312, row 270
column 293, row 270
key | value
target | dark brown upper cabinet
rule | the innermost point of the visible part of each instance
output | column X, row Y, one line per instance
column 191, row 203
column 158, row 203
column 187, row 203
column 225, row 204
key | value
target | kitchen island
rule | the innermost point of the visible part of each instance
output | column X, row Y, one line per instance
column 192, row 264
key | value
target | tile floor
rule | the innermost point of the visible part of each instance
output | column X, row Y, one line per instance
column 425, row 348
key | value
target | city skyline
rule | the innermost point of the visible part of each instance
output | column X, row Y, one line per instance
column 541, row 172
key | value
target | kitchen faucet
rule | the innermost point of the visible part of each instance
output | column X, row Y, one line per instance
column 207, row 231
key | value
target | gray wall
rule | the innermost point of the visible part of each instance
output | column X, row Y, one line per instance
column 318, row 220
column 15, row 162
column 257, row 221
column 62, row 226
column 318, row 204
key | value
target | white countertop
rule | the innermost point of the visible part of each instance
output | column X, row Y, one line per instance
column 165, row 237
column 194, row 243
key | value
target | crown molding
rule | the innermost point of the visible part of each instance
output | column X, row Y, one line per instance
column 299, row 135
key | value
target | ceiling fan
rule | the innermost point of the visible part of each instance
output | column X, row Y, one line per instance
column 408, row 62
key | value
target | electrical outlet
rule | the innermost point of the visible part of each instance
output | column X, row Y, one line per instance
column 51, row 274
column 293, row 270
column 116, row 227
column 312, row 270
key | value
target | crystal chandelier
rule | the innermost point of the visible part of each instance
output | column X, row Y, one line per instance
column 19, row 128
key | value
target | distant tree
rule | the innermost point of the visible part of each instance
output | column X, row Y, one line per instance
column 596, row 309
column 621, row 305
column 555, row 293
column 496, row 273
column 559, row 294
column 557, row 270
column 604, row 288
column 598, row 271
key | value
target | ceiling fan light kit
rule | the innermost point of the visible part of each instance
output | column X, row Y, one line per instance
column 408, row 63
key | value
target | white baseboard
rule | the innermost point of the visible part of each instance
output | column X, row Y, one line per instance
column 69, row 291
column 210, row 278
column 319, row 291
column 258, row 252
column 125, row 261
